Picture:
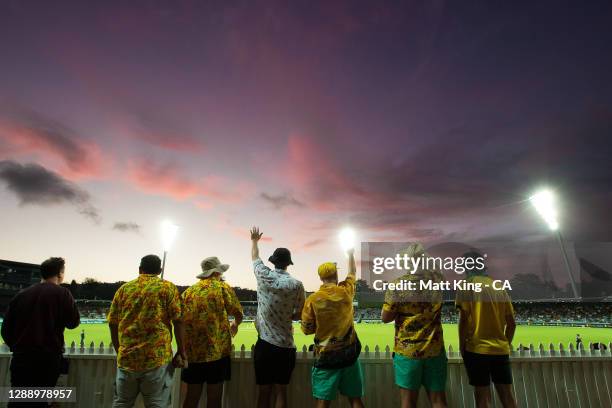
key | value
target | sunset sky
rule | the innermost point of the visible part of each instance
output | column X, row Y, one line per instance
column 431, row 121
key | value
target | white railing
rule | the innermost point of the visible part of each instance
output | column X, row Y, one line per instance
column 543, row 377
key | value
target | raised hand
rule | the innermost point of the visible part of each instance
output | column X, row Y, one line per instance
column 255, row 234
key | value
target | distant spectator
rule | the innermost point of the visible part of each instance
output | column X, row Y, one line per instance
column 419, row 356
column 33, row 328
column 328, row 313
column 280, row 299
column 140, row 321
column 208, row 333
column 486, row 330
column 578, row 341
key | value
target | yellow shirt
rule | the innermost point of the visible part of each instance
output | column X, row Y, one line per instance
column 328, row 313
column 144, row 308
column 487, row 312
column 418, row 324
column 206, row 306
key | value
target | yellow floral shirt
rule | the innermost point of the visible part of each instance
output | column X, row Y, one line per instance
column 328, row 313
column 418, row 324
column 144, row 309
column 206, row 306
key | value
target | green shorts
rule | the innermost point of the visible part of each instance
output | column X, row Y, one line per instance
column 411, row 373
column 326, row 382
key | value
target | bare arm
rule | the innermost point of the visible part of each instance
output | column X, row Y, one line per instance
column 387, row 316
column 114, row 330
column 352, row 267
column 255, row 237
column 179, row 334
column 510, row 327
column 297, row 312
column 463, row 329
column 309, row 321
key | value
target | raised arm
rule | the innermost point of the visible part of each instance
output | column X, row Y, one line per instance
column 352, row 267
column 255, row 237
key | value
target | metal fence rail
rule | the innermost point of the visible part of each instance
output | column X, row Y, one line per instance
column 543, row 377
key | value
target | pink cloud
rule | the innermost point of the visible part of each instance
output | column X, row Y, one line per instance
column 26, row 133
column 170, row 181
column 161, row 179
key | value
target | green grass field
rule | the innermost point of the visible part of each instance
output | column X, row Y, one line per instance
column 373, row 334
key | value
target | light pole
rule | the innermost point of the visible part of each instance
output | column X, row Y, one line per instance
column 545, row 204
column 168, row 235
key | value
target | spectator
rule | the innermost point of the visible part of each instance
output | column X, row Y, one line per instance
column 280, row 299
column 139, row 321
column 486, row 330
column 578, row 341
column 33, row 328
column 419, row 355
column 328, row 313
column 208, row 333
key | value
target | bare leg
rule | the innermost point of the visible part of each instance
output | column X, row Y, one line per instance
column 437, row 399
column 506, row 395
column 483, row 396
column 264, row 396
column 322, row 404
column 280, row 395
column 194, row 392
column 408, row 398
column 214, row 395
column 355, row 402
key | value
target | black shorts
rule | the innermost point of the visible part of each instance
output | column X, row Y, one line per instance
column 484, row 368
column 273, row 364
column 210, row 372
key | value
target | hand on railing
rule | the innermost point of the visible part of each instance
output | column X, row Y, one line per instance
column 180, row 360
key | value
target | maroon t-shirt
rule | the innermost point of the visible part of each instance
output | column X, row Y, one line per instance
column 36, row 319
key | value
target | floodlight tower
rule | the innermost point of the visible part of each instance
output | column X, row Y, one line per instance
column 545, row 203
column 168, row 235
column 347, row 238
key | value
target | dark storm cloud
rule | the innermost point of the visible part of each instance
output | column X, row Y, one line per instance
column 127, row 227
column 281, row 200
column 33, row 184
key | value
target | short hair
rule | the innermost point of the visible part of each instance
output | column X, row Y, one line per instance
column 52, row 267
column 150, row 264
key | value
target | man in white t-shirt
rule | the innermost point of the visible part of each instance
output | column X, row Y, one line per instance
column 280, row 299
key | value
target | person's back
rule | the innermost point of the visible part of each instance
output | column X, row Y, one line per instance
column 419, row 357
column 33, row 328
column 140, row 319
column 38, row 316
column 333, row 307
column 143, row 309
column 280, row 299
column 486, row 329
column 205, row 312
column 487, row 321
column 207, row 306
column 278, row 295
column 328, row 313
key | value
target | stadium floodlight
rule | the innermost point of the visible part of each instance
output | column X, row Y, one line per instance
column 545, row 204
column 168, row 235
column 347, row 238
